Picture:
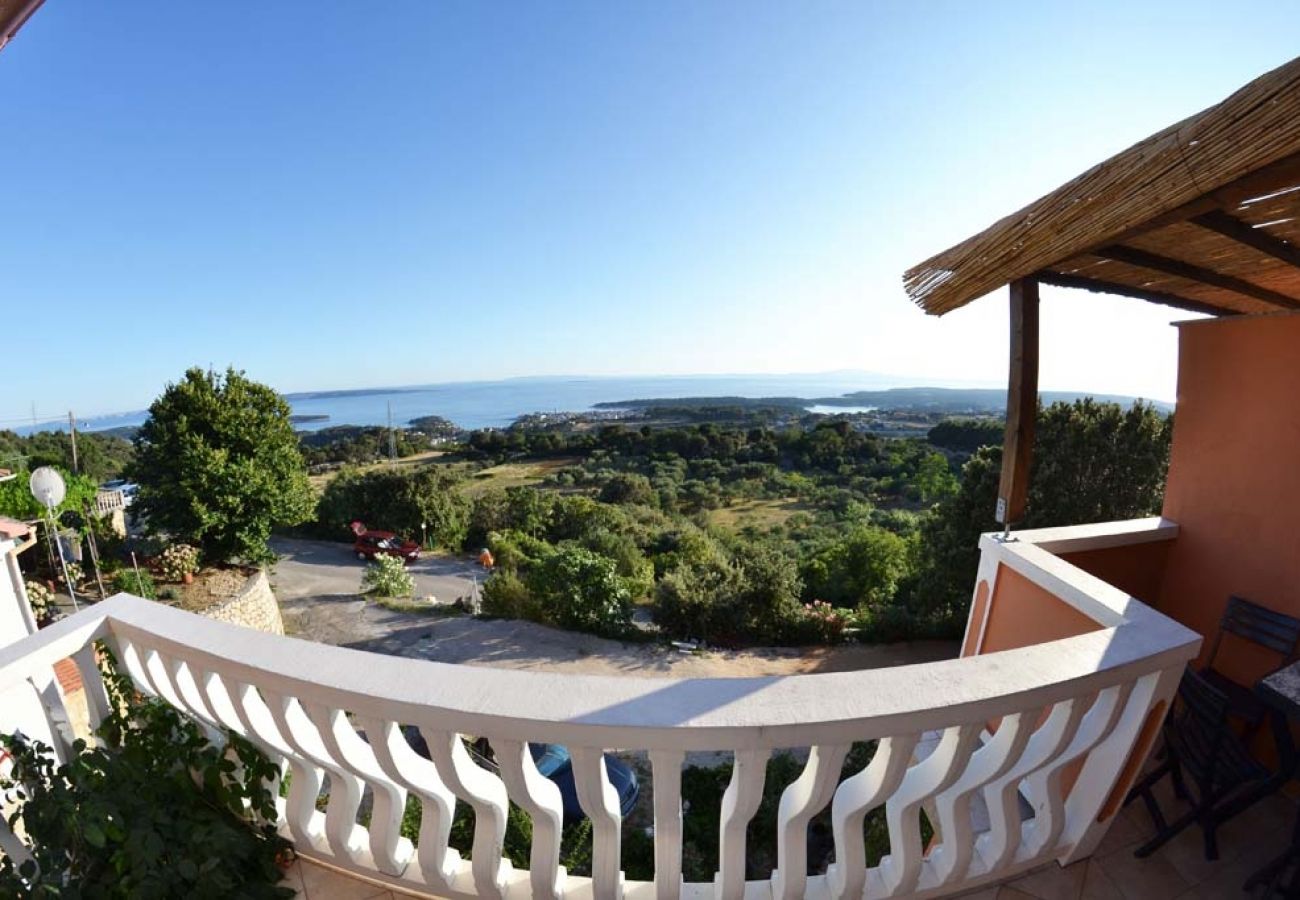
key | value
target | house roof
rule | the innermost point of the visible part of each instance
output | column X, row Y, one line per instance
column 1204, row 215
column 12, row 529
column 13, row 13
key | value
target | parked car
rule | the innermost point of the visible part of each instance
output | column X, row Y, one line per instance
column 553, row 763
column 370, row 544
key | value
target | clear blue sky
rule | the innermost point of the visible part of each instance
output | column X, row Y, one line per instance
column 344, row 194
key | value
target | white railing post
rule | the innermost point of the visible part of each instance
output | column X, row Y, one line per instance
column 803, row 799
column 1098, row 793
column 666, row 773
column 739, row 803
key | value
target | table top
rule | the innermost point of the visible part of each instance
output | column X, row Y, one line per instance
column 1281, row 689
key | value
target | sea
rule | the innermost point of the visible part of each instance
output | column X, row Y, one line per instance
column 495, row 404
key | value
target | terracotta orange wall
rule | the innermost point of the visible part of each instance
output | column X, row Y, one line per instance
column 1234, row 477
column 1136, row 569
column 1022, row 613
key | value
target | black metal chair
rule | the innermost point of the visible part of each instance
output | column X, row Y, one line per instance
column 1200, row 745
column 1273, row 631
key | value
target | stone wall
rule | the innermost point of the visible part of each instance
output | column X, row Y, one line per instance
column 253, row 607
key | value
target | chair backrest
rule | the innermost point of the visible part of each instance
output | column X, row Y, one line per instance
column 1271, row 630
column 1198, row 725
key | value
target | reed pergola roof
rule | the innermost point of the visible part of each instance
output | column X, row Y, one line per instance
column 1204, row 216
column 13, row 13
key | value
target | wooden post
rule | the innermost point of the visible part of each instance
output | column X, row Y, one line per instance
column 1022, row 402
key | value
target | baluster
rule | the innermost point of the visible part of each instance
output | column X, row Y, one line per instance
column 1044, row 786
column 599, row 801
column 666, row 774
column 341, row 830
column 391, row 853
column 215, row 697
column 803, row 799
column 739, row 803
column 952, row 858
column 155, row 670
column 182, row 684
column 854, row 800
column 901, row 869
column 437, row 861
column 93, row 683
column 179, row 689
column 540, row 798
column 305, row 823
column 486, row 793
column 131, row 661
column 997, row 847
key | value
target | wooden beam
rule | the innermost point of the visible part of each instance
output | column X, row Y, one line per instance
column 1177, row 267
column 1022, row 403
column 1236, row 230
column 1097, row 285
column 1276, row 176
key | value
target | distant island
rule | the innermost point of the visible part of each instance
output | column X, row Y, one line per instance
column 955, row 401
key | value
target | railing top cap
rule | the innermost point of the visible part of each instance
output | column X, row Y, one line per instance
column 772, row 711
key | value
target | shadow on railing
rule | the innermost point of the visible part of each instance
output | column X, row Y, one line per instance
column 1039, row 736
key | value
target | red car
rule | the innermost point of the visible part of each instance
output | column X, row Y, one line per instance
column 370, row 544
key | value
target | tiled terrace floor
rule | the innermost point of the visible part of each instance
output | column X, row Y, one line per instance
column 1178, row 870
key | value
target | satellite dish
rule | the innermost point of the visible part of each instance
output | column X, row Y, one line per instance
column 47, row 487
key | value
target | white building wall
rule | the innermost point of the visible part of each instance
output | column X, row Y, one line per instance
column 16, row 619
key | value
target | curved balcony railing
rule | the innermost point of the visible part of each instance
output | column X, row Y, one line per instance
column 1057, row 728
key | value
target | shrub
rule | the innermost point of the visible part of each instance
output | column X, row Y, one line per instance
column 386, row 576
column 177, row 561
column 75, row 573
column 505, row 596
column 820, row 623
column 582, row 590
column 141, row 584
column 42, row 602
column 154, row 810
column 396, row 500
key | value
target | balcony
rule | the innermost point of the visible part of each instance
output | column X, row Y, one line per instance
column 1017, row 757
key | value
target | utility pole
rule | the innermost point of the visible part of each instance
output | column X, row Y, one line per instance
column 392, row 435
column 72, row 430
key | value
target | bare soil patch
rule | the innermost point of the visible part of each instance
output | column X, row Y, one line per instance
column 209, row 587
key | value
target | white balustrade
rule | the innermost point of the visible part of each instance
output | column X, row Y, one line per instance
column 1039, row 736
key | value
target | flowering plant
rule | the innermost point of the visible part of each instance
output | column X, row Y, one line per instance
column 177, row 561
column 824, row 620
column 42, row 602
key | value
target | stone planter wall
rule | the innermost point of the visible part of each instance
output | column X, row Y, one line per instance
column 253, row 607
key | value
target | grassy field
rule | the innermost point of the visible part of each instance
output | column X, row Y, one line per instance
column 508, row 475
column 763, row 513
column 418, row 459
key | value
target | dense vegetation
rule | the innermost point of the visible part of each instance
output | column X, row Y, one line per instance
column 99, row 456
column 153, row 809
column 751, row 535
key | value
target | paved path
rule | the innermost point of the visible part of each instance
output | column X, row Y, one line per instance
column 330, row 569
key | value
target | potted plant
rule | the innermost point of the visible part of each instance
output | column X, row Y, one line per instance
column 179, row 562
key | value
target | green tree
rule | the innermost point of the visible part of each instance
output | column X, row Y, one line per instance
column 863, row 567
column 934, row 478
column 1093, row 462
column 218, row 464
column 628, row 487
column 398, row 500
